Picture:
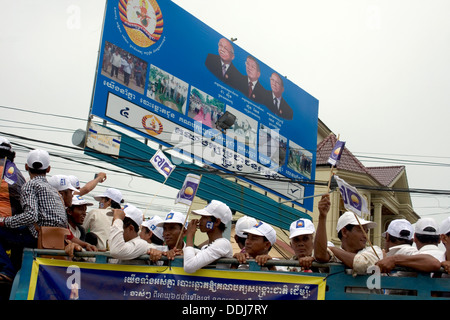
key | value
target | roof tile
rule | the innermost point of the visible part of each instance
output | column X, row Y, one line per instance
column 384, row 175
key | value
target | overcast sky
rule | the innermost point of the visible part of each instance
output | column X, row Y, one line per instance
column 380, row 70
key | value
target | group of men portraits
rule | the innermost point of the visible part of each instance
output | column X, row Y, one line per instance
column 223, row 68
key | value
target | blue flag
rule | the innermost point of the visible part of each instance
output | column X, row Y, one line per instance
column 336, row 153
column 187, row 193
column 162, row 164
column 10, row 172
column 353, row 201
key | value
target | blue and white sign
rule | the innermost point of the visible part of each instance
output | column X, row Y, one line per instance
column 167, row 76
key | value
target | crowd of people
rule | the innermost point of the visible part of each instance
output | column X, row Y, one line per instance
column 122, row 230
column 122, row 62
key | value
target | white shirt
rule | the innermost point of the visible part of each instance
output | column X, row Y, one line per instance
column 75, row 231
column 129, row 250
column 195, row 259
column 116, row 60
column 277, row 101
column 225, row 67
column 432, row 250
column 404, row 249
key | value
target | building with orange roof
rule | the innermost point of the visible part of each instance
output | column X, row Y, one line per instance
column 381, row 186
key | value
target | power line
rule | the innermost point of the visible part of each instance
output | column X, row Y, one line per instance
column 231, row 174
column 42, row 113
column 362, row 155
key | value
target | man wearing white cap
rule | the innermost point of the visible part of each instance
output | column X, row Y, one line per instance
column 42, row 206
column 401, row 253
column 62, row 184
column 124, row 240
column 110, row 198
column 150, row 232
column 174, row 228
column 427, row 237
column 98, row 221
column 260, row 239
column 215, row 216
column 301, row 234
column 353, row 252
column 75, row 215
column 242, row 224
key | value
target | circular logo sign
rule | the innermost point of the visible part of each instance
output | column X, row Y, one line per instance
column 142, row 20
column 152, row 125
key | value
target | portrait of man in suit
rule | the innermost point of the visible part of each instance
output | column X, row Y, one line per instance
column 275, row 101
column 252, row 88
column 222, row 65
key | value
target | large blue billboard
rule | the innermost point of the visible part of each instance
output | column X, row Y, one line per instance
column 167, row 76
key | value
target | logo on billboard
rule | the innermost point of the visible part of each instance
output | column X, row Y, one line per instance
column 152, row 125
column 142, row 20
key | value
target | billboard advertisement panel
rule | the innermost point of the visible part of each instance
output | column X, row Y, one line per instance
column 169, row 77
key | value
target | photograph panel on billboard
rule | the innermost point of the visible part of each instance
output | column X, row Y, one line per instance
column 167, row 76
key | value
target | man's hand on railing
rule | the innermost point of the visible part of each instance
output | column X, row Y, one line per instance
column 446, row 266
column 71, row 247
column 306, row 262
column 241, row 257
column 171, row 254
column 154, row 255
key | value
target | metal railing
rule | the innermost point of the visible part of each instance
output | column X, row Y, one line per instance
column 340, row 283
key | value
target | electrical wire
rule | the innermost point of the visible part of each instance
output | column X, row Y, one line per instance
column 252, row 176
column 360, row 155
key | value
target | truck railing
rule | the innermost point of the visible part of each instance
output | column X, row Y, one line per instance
column 340, row 283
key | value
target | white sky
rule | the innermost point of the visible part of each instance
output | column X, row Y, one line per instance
column 380, row 70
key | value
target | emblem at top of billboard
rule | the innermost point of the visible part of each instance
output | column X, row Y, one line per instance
column 142, row 20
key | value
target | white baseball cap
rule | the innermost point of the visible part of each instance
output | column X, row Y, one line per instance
column 133, row 213
column 6, row 144
column 427, row 226
column 112, row 194
column 74, row 181
column 152, row 223
column 36, row 157
column 244, row 223
column 173, row 217
column 265, row 230
column 445, row 226
column 61, row 182
column 301, row 226
column 79, row 201
column 397, row 226
column 216, row 209
column 349, row 218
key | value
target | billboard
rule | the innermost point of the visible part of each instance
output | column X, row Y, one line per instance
column 167, row 76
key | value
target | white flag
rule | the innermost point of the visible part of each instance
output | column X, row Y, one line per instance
column 353, row 201
column 187, row 193
column 162, row 164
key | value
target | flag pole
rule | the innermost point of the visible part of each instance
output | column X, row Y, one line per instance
column 331, row 171
column 189, row 211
